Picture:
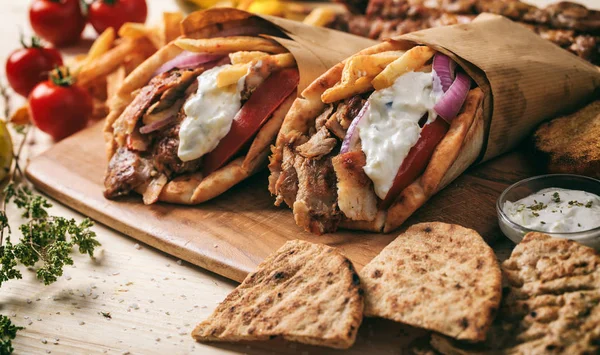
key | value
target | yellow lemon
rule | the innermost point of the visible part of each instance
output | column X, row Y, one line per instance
column 6, row 153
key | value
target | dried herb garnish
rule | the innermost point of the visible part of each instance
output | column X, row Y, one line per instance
column 556, row 197
column 537, row 206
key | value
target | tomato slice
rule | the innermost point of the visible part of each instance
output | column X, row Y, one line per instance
column 255, row 112
column 417, row 159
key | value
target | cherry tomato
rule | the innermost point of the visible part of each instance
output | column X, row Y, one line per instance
column 59, row 108
column 255, row 112
column 59, row 22
column 114, row 13
column 30, row 65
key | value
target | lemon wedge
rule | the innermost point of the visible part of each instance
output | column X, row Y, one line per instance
column 6, row 153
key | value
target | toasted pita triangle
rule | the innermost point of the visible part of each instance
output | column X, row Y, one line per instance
column 437, row 276
column 304, row 292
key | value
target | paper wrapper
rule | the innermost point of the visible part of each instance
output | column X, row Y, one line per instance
column 315, row 49
column 526, row 79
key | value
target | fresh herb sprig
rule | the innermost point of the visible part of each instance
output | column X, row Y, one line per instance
column 8, row 332
column 46, row 241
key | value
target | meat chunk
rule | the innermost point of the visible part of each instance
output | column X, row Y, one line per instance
column 286, row 187
column 160, row 84
column 165, row 155
column 346, row 111
column 315, row 208
column 319, row 145
column 126, row 171
column 323, row 117
column 356, row 198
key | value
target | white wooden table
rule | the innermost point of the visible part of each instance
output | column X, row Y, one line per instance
column 154, row 300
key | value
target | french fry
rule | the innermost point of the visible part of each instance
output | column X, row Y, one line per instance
column 229, row 44
column 338, row 93
column 320, row 16
column 134, row 30
column 102, row 44
column 244, row 57
column 171, row 28
column 114, row 81
column 111, row 60
column 412, row 60
column 358, row 73
column 99, row 109
column 133, row 60
column 234, row 73
column 21, row 116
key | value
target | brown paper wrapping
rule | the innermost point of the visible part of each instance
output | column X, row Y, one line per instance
column 315, row 49
column 526, row 79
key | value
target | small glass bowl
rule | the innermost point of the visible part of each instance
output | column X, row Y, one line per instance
column 524, row 188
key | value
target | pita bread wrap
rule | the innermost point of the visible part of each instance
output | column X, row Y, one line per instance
column 517, row 82
column 143, row 130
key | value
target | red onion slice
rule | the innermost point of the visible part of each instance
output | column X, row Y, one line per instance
column 187, row 60
column 445, row 68
column 351, row 136
column 154, row 126
column 450, row 103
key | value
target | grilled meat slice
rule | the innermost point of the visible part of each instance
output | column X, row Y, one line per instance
column 322, row 119
column 286, row 186
column 341, row 119
column 355, row 195
column 319, row 145
column 165, row 155
column 315, row 208
column 176, row 79
column 126, row 171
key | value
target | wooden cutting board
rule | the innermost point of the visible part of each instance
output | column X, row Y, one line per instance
column 231, row 234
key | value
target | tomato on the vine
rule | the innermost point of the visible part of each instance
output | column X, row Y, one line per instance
column 114, row 13
column 59, row 22
column 30, row 65
column 58, row 107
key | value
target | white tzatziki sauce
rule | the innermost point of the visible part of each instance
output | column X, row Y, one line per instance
column 556, row 210
column 390, row 127
column 209, row 114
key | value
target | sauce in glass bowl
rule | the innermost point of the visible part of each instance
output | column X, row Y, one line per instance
column 556, row 210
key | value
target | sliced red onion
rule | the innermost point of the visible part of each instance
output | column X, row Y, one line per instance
column 154, row 126
column 351, row 136
column 450, row 103
column 188, row 60
column 445, row 68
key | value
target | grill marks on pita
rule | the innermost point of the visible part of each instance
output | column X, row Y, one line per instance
column 436, row 276
column 551, row 304
column 304, row 292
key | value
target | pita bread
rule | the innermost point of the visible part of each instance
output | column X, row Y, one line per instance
column 456, row 152
column 304, row 292
column 437, row 276
column 569, row 144
column 552, row 303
